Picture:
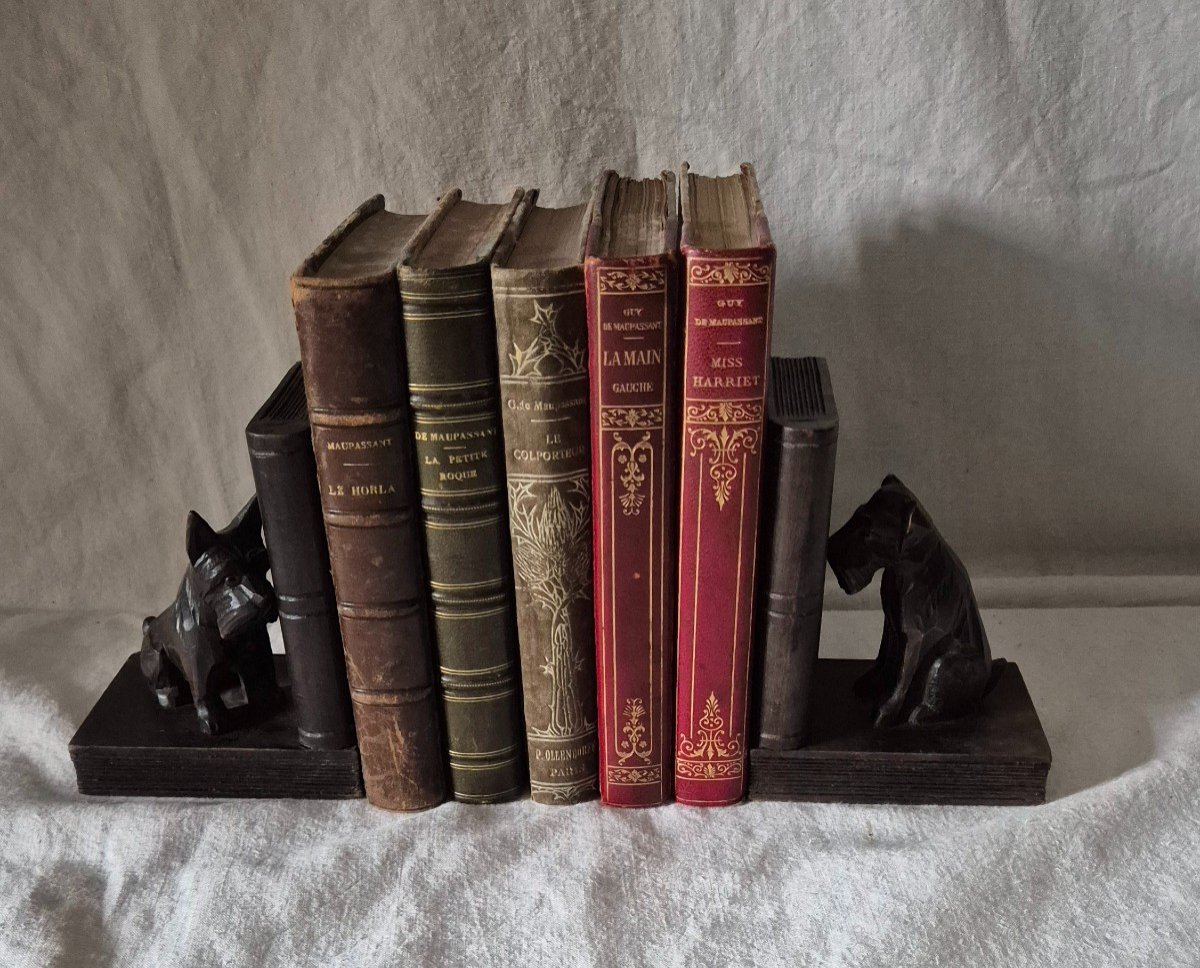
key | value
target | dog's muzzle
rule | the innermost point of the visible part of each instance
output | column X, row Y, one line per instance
column 852, row 576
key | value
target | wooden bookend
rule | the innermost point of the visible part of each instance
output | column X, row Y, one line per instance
column 132, row 747
column 995, row 755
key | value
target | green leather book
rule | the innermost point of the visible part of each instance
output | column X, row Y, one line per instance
column 450, row 338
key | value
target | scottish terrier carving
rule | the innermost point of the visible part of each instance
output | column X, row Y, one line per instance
column 210, row 646
column 934, row 661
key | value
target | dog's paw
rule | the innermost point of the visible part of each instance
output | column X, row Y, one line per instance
column 888, row 715
column 921, row 714
column 170, row 696
column 209, row 715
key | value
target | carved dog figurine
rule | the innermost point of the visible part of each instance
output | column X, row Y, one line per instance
column 210, row 646
column 934, row 660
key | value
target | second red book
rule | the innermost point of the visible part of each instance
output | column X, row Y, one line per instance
column 729, row 264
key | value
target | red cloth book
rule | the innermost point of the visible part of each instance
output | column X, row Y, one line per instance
column 728, row 264
column 632, row 283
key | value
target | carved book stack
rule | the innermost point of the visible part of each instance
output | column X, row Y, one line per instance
column 453, row 389
column 542, row 347
column 285, row 478
column 801, row 446
column 729, row 263
column 347, row 309
column 632, row 285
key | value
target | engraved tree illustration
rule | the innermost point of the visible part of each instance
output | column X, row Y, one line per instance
column 547, row 354
column 551, row 555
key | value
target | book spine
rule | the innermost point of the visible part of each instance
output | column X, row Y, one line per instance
column 451, row 340
column 353, row 360
column 285, row 478
column 726, row 339
column 797, row 487
column 632, row 326
column 541, row 342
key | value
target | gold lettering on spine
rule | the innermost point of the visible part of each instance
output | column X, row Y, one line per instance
column 378, row 444
column 452, row 436
column 649, row 357
column 371, row 490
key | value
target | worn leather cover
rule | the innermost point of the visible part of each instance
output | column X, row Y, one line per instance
column 633, row 350
column 352, row 353
column 285, row 478
column 727, row 317
column 454, row 392
column 541, row 343
column 797, row 486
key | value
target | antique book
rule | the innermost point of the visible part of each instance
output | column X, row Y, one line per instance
column 450, row 335
column 541, row 343
column 632, row 283
column 347, row 309
column 797, row 486
column 729, row 263
column 285, row 478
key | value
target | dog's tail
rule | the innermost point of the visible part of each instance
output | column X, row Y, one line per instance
column 994, row 676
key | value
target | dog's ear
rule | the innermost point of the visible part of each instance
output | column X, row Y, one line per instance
column 917, row 528
column 244, row 532
column 200, row 537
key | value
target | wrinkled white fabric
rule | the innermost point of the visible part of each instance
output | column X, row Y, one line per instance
column 986, row 214
column 1105, row 874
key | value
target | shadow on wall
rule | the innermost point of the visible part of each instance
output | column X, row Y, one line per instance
column 1044, row 411
column 1115, row 689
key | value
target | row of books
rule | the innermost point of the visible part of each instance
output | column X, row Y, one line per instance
column 538, row 435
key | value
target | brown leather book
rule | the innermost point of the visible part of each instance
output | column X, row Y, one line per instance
column 285, row 477
column 541, row 342
column 729, row 273
column 801, row 446
column 348, row 319
column 450, row 335
column 632, row 281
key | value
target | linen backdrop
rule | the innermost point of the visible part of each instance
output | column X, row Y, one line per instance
column 986, row 214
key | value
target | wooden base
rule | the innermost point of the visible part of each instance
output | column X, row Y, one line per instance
column 131, row 747
column 998, row 755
